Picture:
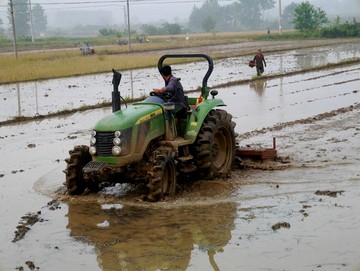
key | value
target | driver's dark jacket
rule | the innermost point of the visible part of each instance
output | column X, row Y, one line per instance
column 174, row 87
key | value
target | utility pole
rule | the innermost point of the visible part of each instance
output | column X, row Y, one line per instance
column 31, row 23
column 13, row 27
column 280, row 19
column 128, row 24
column 125, row 18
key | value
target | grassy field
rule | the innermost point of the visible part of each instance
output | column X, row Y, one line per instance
column 55, row 63
column 67, row 60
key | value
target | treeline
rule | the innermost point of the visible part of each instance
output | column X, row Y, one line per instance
column 345, row 30
column 147, row 29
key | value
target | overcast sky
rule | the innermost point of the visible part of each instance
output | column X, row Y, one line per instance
column 147, row 11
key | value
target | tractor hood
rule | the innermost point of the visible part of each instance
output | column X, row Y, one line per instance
column 131, row 116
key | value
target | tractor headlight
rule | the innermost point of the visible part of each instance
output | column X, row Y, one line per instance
column 92, row 150
column 117, row 134
column 92, row 141
column 117, row 141
column 92, row 138
column 116, row 150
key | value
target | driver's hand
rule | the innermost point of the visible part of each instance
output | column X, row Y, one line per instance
column 157, row 90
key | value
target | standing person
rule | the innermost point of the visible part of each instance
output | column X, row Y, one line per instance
column 175, row 90
column 259, row 60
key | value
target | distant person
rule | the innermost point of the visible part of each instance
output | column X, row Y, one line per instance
column 175, row 90
column 259, row 62
column 268, row 31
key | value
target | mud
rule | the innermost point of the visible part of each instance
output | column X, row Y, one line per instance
column 297, row 212
column 24, row 226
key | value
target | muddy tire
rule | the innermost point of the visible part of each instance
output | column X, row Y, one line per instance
column 75, row 182
column 214, row 148
column 162, row 177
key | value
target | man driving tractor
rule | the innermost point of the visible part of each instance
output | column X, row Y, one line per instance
column 175, row 91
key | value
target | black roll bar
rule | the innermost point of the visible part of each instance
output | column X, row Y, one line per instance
column 208, row 58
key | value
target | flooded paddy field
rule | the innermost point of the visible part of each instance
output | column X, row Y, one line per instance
column 300, row 212
column 50, row 96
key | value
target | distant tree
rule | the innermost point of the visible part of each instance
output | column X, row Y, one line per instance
column 208, row 24
column 251, row 12
column 337, row 20
column 39, row 20
column 2, row 31
column 108, row 32
column 231, row 18
column 243, row 14
column 21, row 10
column 171, row 29
column 210, row 8
column 288, row 15
column 150, row 29
column 308, row 18
column 165, row 29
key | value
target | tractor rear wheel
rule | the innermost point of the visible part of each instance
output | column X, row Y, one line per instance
column 214, row 148
column 79, row 157
column 162, row 177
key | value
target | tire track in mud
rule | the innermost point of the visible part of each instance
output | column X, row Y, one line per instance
column 326, row 97
column 308, row 120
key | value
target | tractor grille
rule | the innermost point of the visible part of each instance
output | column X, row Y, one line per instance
column 104, row 143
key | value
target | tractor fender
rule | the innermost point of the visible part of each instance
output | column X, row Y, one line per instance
column 197, row 117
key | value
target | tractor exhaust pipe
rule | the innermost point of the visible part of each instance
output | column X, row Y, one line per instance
column 116, row 102
column 170, row 130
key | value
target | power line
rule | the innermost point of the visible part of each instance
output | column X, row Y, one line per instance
column 136, row 2
column 80, row 7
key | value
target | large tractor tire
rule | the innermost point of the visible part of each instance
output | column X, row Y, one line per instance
column 162, row 176
column 79, row 157
column 214, row 148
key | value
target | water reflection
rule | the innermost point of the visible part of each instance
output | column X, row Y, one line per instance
column 258, row 86
column 131, row 85
column 19, row 100
column 152, row 239
column 311, row 58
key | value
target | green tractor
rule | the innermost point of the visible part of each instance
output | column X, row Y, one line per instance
column 145, row 143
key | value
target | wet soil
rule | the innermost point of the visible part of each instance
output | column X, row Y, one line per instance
column 297, row 212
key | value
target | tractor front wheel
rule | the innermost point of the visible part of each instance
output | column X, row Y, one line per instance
column 79, row 157
column 162, row 177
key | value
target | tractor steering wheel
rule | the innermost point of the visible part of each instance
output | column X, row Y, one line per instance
column 165, row 95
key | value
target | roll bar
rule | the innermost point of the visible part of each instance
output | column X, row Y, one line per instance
column 208, row 58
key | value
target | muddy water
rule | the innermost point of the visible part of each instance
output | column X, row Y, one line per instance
column 43, row 97
column 208, row 225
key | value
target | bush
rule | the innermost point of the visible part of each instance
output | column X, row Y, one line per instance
column 346, row 30
column 108, row 32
